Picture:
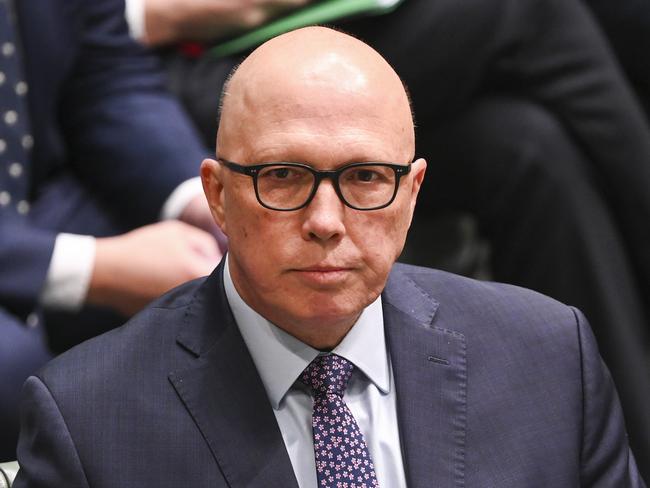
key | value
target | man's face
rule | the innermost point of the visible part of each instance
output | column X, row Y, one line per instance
column 319, row 266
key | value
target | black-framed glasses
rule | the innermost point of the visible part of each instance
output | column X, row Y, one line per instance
column 292, row 186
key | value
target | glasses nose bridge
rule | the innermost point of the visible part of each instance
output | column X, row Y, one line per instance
column 332, row 175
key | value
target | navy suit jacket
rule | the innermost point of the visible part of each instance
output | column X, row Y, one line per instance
column 496, row 387
column 99, row 113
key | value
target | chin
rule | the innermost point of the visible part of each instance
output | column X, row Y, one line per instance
column 325, row 309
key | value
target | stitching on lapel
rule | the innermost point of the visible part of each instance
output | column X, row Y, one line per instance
column 417, row 313
column 426, row 295
column 460, row 423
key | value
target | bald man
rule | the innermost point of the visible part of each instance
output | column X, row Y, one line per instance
column 308, row 358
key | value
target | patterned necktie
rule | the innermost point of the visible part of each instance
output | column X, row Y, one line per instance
column 15, row 139
column 342, row 457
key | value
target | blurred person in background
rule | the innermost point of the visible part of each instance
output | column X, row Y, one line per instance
column 91, row 145
column 627, row 26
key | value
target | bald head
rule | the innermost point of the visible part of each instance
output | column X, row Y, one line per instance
column 313, row 73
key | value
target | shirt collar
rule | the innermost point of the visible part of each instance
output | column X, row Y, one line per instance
column 280, row 358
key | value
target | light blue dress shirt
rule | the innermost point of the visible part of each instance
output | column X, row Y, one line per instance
column 280, row 358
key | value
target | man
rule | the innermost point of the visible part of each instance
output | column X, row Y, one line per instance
column 90, row 145
column 536, row 135
column 307, row 358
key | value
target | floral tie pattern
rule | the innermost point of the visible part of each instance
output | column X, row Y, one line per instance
column 342, row 457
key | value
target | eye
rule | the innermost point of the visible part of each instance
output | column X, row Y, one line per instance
column 283, row 173
column 279, row 173
column 365, row 175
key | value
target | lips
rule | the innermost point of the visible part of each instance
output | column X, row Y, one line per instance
column 324, row 269
column 323, row 275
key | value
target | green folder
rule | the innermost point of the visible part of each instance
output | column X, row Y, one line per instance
column 322, row 12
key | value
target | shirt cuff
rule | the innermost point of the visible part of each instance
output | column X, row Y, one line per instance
column 134, row 13
column 180, row 198
column 68, row 277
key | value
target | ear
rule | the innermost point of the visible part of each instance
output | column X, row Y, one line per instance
column 418, row 169
column 212, row 175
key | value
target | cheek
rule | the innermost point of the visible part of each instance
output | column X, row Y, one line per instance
column 261, row 237
column 244, row 217
column 382, row 238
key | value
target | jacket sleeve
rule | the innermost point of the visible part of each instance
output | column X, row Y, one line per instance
column 46, row 452
column 127, row 138
column 25, row 253
column 606, row 459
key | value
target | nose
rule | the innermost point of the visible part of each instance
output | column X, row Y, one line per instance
column 323, row 217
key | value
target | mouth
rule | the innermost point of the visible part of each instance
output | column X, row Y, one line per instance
column 323, row 275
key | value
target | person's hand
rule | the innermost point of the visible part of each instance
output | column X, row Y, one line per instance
column 171, row 21
column 197, row 213
column 134, row 268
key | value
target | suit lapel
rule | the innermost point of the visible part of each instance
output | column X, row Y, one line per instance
column 226, row 398
column 429, row 367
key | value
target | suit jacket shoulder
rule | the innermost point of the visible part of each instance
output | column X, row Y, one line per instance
column 514, row 380
column 157, row 402
column 121, row 350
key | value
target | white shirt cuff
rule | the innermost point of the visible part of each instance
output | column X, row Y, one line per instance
column 68, row 277
column 180, row 198
column 134, row 13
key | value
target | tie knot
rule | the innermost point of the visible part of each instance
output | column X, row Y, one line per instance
column 328, row 374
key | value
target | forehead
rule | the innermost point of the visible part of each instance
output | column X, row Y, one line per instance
column 316, row 118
